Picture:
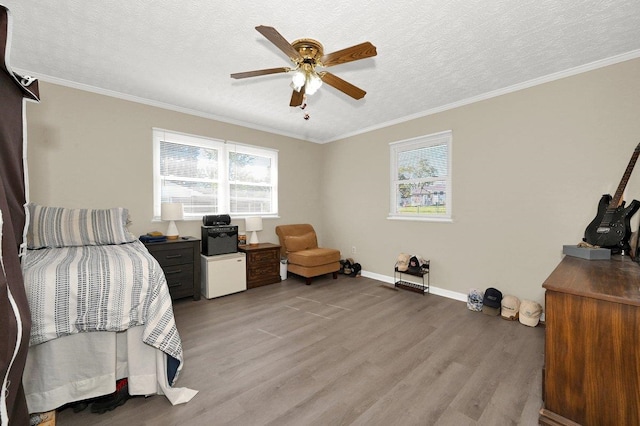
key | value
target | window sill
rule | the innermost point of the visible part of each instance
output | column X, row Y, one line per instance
column 421, row 219
column 233, row 217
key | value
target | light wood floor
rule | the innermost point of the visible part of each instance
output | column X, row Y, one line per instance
column 352, row 351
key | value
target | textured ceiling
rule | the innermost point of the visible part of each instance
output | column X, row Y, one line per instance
column 431, row 54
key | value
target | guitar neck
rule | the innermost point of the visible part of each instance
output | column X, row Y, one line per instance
column 617, row 197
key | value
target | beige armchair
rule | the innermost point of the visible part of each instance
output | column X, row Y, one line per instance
column 299, row 244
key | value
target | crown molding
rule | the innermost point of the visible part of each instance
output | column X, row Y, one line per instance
column 157, row 104
column 634, row 54
column 510, row 89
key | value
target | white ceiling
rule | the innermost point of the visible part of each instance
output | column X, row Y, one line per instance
column 432, row 54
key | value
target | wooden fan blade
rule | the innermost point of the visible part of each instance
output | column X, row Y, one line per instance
column 280, row 42
column 353, row 53
column 297, row 98
column 260, row 72
column 343, row 86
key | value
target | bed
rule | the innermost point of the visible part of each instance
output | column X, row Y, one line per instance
column 100, row 311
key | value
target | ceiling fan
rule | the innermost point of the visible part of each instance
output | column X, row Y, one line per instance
column 306, row 54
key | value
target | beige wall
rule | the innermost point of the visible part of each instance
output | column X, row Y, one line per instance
column 528, row 170
column 91, row 150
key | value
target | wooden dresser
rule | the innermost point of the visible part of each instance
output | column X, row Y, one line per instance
column 263, row 264
column 180, row 261
column 592, row 346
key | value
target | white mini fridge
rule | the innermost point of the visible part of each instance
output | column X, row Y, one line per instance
column 223, row 274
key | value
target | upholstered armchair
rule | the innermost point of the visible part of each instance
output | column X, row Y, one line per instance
column 299, row 244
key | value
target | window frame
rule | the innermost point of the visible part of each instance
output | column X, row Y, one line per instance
column 225, row 148
column 257, row 151
column 425, row 141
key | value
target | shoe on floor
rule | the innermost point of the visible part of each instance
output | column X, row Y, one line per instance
column 110, row 402
column 79, row 406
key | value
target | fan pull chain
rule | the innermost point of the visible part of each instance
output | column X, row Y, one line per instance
column 305, row 114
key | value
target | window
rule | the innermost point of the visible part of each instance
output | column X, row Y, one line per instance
column 212, row 176
column 421, row 178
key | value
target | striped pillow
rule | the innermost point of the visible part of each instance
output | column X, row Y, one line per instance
column 62, row 227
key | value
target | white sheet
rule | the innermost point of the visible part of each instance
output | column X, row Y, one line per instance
column 87, row 365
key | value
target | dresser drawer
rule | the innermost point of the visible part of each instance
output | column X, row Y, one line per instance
column 256, row 270
column 179, row 279
column 175, row 256
column 266, row 256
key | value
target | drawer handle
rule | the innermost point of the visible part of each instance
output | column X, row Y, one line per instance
column 178, row 284
column 173, row 272
column 173, row 256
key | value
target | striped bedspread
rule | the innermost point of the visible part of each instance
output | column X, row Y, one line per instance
column 100, row 288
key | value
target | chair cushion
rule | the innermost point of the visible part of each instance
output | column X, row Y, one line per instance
column 314, row 257
column 295, row 243
column 313, row 271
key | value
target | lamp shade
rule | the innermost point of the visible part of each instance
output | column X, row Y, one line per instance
column 171, row 212
column 253, row 224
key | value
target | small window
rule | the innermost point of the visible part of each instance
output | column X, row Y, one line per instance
column 421, row 177
column 212, row 176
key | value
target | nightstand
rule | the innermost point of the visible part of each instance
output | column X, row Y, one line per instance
column 180, row 261
column 263, row 264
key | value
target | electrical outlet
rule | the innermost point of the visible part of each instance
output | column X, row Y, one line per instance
column 353, row 250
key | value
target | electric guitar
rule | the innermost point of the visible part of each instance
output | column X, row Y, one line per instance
column 611, row 227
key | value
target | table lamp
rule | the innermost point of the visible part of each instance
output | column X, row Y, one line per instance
column 253, row 224
column 171, row 212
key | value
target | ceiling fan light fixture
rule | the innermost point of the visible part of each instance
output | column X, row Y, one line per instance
column 306, row 54
column 313, row 83
column 298, row 80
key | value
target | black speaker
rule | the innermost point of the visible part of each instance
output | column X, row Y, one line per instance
column 216, row 219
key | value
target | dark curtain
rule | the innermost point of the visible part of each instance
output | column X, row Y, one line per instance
column 15, row 320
